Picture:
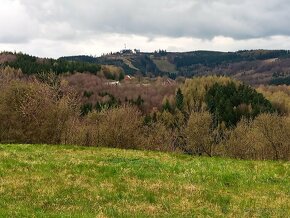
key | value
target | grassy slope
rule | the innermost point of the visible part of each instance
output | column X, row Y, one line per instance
column 56, row 181
column 164, row 65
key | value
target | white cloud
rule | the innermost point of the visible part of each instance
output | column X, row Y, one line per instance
column 97, row 45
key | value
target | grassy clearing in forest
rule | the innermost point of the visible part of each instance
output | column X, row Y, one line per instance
column 69, row 181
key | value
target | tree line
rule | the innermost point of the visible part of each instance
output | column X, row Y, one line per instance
column 32, row 65
column 210, row 58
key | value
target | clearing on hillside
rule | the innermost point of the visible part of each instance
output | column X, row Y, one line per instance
column 69, row 181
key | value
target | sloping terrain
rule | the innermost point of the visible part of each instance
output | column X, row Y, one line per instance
column 69, row 181
column 253, row 67
column 164, row 64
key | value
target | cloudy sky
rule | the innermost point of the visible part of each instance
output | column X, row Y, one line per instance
column 54, row 28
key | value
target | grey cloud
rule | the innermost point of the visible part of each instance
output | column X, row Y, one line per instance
column 75, row 21
column 173, row 18
column 16, row 26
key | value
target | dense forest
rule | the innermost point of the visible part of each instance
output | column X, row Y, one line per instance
column 33, row 65
column 208, row 58
column 281, row 81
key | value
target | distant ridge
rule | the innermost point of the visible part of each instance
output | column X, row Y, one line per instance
column 251, row 66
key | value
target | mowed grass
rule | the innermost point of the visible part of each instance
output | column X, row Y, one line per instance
column 69, row 181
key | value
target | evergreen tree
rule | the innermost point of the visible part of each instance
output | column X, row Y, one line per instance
column 179, row 100
column 121, row 76
column 86, row 108
column 166, row 106
column 139, row 101
column 229, row 103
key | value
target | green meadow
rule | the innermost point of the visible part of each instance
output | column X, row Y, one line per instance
column 70, row 181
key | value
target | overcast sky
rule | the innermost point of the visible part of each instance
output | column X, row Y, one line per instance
column 54, row 28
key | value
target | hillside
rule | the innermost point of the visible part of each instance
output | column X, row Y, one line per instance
column 69, row 181
column 253, row 67
column 34, row 65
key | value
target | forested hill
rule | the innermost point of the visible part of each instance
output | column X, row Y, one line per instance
column 34, row 65
column 253, row 66
column 250, row 66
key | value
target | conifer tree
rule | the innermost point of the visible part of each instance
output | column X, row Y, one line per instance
column 179, row 100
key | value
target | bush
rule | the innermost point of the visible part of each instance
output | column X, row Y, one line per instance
column 120, row 127
column 158, row 137
column 273, row 134
column 81, row 132
column 32, row 112
column 265, row 138
column 199, row 133
column 116, row 127
column 8, row 75
column 241, row 142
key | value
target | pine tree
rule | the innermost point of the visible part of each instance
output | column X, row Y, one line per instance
column 166, row 106
column 121, row 76
column 179, row 100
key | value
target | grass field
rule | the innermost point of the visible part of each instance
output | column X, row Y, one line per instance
column 59, row 181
